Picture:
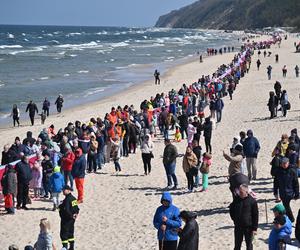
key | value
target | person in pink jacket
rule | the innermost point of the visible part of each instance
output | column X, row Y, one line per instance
column 191, row 130
column 37, row 176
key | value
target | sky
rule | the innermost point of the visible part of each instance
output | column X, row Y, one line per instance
column 129, row 13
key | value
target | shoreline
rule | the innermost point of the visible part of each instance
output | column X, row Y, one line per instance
column 90, row 109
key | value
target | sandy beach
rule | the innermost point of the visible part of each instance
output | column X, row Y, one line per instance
column 117, row 212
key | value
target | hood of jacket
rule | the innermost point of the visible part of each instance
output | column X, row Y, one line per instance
column 188, row 215
column 166, row 196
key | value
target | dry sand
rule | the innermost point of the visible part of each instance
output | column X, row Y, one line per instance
column 117, row 211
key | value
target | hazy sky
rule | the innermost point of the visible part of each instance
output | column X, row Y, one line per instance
column 87, row 12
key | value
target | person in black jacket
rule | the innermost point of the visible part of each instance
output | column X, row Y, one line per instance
column 59, row 103
column 68, row 212
column 47, row 172
column 244, row 213
column 8, row 155
column 189, row 235
column 183, row 123
column 288, row 186
column 24, row 176
column 207, row 127
column 32, row 108
column 272, row 104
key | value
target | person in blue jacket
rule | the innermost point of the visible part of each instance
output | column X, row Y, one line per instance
column 281, row 232
column 57, row 182
column 167, row 221
column 251, row 149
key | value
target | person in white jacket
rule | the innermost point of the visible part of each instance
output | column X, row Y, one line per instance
column 147, row 153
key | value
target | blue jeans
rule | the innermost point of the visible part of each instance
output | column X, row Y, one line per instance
column 68, row 178
column 170, row 172
column 100, row 159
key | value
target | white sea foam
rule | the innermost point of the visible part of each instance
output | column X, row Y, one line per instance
column 102, row 33
column 83, row 71
column 11, row 36
column 49, row 34
column 25, row 40
column 66, row 75
column 120, row 44
column 36, row 49
column 44, row 78
column 112, row 60
column 10, row 46
column 55, row 41
column 94, row 91
column 75, row 34
column 72, row 55
column 23, row 34
column 81, row 46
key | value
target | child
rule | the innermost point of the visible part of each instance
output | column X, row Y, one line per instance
column 9, row 188
column 116, row 153
column 43, row 118
column 37, row 176
column 57, row 182
column 204, row 169
column 45, row 238
column 177, row 134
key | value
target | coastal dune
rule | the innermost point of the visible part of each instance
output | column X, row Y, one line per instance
column 118, row 210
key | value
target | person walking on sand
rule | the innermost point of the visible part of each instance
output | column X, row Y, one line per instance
column 297, row 71
column 169, row 160
column 157, row 77
column 59, row 103
column 46, row 106
column 32, row 108
column 273, row 104
column 189, row 235
column 244, row 213
column 15, row 114
column 284, row 71
column 258, row 63
column 147, row 153
column 251, row 149
column 269, row 72
column 68, row 212
column 167, row 221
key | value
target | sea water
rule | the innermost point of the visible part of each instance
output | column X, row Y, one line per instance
column 85, row 64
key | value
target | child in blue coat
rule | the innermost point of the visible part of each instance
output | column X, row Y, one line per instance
column 57, row 183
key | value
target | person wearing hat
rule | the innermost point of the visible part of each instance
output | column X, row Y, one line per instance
column 288, row 186
column 235, row 160
column 189, row 235
column 57, row 183
column 47, row 166
column 68, row 212
column 59, row 103
column 251, row 149
column 166, row 220
column 281, row 232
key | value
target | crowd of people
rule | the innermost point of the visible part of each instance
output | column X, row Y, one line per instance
column 50, row 163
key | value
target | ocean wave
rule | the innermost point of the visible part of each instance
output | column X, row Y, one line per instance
column 81, row 46
column 25, row 40
column 36, row 49
column 65, row 75
column 72, row 55
column 83, row 71
column 94, row 91
column 102, row 33
column 23, row 34
column 120, row 44
column 55, row 41
column 75, row 34
column 11, row 36
column 11, row 46
column 4, row 115
column 44, row 78
column 49, row 34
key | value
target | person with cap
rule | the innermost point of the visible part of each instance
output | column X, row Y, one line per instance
column 189, row 235
column 166, row 220
column 235, row 159
column 288, row 186
column 78, row 173
column 251, row 149
column 57, row 183
column 68, row 212
column 244, row 213
column 32, row 108
column 169, row 160
column 281, row 232
column 24, row 176
column 59, row 103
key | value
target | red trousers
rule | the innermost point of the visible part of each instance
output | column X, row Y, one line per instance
column 8, row 201
column 79, row 182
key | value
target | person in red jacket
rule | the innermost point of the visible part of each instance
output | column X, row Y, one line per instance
column 67, row 164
